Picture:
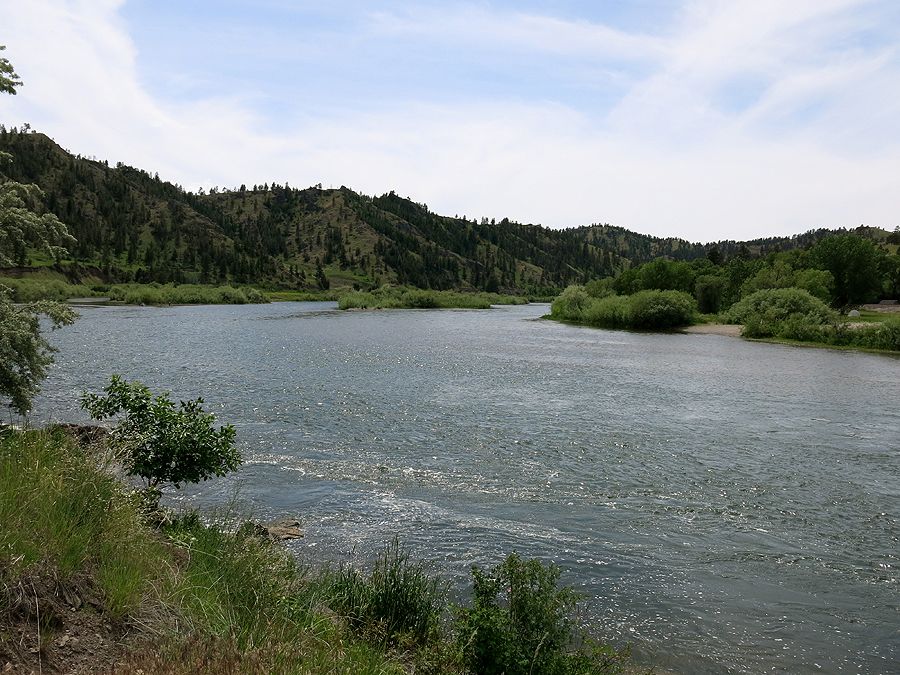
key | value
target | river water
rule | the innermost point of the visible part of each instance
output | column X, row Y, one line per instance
column 724, row 506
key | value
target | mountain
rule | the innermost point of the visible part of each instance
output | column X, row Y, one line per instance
column 133, row 226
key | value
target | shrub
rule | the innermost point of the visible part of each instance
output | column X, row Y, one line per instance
column 417, row 299
column 398, row 297
column 398, row 601
column 885, row 335
column 609, row 312
column 570, row 305
column 184, row 294
column 653, row 310
column 520, row 623
column 661, row 309
column 600, row 288
column 765, row 313
column 162, row 443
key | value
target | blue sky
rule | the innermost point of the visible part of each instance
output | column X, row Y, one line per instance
column 705, row 119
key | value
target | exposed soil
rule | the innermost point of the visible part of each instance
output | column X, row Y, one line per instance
column 50, row 626
column 729, row 329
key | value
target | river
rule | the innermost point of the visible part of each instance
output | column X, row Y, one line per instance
column 724, row 506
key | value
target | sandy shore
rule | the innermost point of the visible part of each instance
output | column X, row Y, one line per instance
column 729, row 329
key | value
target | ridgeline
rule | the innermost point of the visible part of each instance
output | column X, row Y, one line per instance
column 134, row 227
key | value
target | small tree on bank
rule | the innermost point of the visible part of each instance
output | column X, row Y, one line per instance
column 162, row 443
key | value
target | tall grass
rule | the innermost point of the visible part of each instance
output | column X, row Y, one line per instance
column 184, row 294
column 399, row 297
column 33, row 289
column 399, row 601
column 59, row 512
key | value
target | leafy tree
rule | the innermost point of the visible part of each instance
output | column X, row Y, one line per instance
column 8, row 78
column 24, row 353
column 708, row 290
column 162, row 443
column 853, row 262
column 891, row 270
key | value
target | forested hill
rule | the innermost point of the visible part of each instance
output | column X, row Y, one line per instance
column 133, row 226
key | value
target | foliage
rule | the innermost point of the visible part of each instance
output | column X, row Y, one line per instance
column 32, row 289
column 661, row 310
column 520, row 623
column 397, row 602
column 162, row 443
column 200, row 595
column 184, row 294
column 25, row 354
column 770, row 312
column 600, row 288
column 9, row 80
column 854, row 265
column 570, row 304
column 648, row 310
column 398, row 297
column 709, row 289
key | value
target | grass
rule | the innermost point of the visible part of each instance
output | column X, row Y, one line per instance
column 870, row 316
column 28, row 289
column 193, row 596
column 58, row 510
column 32, row 288
column 399, row 297
column 184, row 294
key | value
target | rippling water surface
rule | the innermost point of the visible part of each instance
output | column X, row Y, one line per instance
column 725, row 506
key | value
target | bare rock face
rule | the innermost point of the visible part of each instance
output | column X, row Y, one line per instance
column 283, row 530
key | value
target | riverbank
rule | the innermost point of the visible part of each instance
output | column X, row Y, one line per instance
column 88, row 583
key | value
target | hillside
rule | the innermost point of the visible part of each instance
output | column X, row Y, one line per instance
column 133, row 226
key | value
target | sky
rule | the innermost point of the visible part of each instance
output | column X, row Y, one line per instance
column 704, row 119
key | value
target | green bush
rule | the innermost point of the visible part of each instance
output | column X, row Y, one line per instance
column 184, row 294
column 399, row 601
column 399, row 297
column 570, row 304
column 885, row 335
column 600, row 288
column 648, row 310
column 162, row 443
column 29, row 289
column 613, row 311
column 780, row 312
column 657, row 310
column 520, row 623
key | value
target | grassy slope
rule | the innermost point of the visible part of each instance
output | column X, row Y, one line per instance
column 85, row 584
column 202, row 599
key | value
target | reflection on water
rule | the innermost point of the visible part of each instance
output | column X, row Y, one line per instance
column 724, row 506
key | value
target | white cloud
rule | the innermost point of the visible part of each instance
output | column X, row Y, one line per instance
column 665, row 160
